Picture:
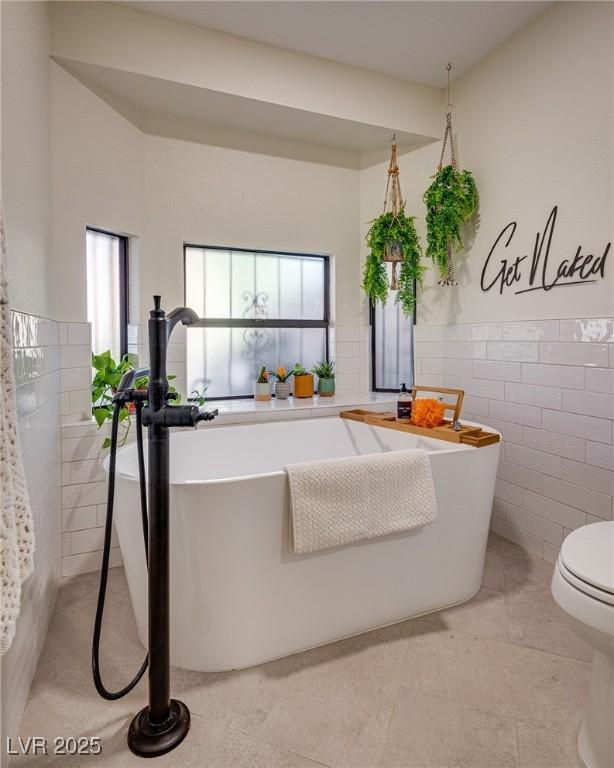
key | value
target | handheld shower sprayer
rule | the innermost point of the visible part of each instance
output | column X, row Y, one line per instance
column 164, row 723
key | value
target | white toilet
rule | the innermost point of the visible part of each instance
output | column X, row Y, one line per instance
column 583, row 586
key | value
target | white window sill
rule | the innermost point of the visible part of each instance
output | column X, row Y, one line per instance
column 244, row 411
column 249, row 410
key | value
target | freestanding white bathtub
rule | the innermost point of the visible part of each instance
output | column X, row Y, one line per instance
column 240, row 596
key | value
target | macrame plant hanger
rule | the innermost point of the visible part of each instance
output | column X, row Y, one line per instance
column 393, row 252
column 450, row 278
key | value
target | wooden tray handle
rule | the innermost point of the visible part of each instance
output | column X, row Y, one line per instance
column 456, row 407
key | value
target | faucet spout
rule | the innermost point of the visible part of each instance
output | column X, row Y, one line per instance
column 183, row 315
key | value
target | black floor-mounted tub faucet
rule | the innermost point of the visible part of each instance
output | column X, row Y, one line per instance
column 163, row 724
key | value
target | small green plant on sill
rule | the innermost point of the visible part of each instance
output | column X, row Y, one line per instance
column 198, row 397
column 324, row 369
column 298, row 370
column 393, row 231
column 104, row 385
column 451, row 199
column 263, row 376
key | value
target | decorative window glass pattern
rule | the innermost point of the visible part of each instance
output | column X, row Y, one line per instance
column 256, row 308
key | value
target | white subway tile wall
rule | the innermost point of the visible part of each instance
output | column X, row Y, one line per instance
column 36, row 358
column 83, row 493
column 548, row 387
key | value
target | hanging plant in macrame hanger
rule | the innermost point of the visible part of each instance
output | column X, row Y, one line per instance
column 451, row 200
column 392, row 239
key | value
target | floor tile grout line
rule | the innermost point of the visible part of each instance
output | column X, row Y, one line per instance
column 259, row 739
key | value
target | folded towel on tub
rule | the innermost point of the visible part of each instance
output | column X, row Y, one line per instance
column 340, row 501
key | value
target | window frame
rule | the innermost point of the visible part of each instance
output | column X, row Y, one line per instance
column 222, row 322
column 124, row 292
column 372, row 324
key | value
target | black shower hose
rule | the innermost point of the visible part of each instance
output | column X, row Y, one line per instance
column 108, row 530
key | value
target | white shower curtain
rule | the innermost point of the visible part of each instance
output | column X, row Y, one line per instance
column 16, row 529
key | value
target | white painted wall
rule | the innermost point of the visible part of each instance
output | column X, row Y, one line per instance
column 108, row 174
column 534, row 122
column 215, row 196
column 26, row 152
column 97, row 180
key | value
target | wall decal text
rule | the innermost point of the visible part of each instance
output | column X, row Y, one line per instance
column 539, row 274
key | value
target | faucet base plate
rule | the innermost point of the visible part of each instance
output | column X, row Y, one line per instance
column 147, row 739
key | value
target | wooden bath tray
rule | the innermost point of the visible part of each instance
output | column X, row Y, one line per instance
column 474, row 436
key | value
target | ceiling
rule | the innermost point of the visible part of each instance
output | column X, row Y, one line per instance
column 157, row 105
column 409, row 40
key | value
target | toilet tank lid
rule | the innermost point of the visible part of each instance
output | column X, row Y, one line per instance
column 588, row 552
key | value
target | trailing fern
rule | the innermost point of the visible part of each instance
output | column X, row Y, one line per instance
column 451, row 199
column 386, row 230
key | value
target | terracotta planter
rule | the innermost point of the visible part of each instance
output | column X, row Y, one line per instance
column 282, row 389
column 326, row 387
column 263, row 391
column 303, row 385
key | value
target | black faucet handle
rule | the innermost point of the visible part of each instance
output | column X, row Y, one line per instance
column 206, row 415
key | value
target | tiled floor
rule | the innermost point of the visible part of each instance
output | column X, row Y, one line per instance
column 496, row 682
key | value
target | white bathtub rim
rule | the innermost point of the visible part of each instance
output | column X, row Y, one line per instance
column 455, row 448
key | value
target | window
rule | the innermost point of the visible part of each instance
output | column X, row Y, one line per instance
column 392, row 336
column 107, row 291
column 256, row 308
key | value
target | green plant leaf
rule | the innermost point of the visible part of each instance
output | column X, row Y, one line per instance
column 451, row 199
column 106, row 443
column 386, row 230
column 102, row 414
column 324, row 369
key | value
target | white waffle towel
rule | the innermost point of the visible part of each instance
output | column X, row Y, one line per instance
column 340, row 501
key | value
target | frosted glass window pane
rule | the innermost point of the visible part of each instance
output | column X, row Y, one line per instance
column 217, row 284
column 290, row 288
column 313, row 288
column 243, row 285
column 267, row 285
column 103, row 292
column 249, row 285
column 226, row 360
column 393, row 347
column 195, row 280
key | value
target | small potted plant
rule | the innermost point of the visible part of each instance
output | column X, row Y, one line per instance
column 262, row 387
column 303, row 382
column 282, row 383
column 325, row 371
